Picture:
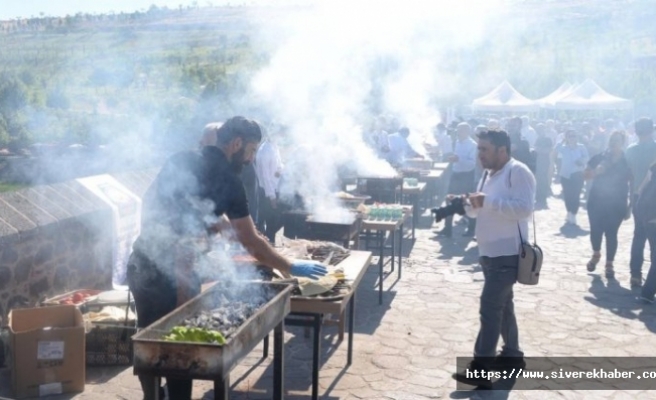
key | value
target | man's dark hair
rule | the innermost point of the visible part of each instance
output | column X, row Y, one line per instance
column 497, row 138
column 239, row 127
column 644, row 126
column 405, row 132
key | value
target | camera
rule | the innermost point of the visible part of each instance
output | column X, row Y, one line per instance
column 454, row 206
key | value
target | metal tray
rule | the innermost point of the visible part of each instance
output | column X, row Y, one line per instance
column 155, row 356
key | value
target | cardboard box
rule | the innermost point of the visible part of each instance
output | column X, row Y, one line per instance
column 47, row 351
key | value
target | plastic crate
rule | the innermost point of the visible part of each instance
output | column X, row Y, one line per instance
column 109, row 344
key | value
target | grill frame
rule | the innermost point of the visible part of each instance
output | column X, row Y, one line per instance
column 156, row 357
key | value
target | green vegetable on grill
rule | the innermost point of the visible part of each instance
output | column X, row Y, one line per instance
column 196, row 335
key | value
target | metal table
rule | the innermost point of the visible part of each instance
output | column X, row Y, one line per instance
column 308, row 312
column 432, row 179
column 381, row 227
column 414, row 192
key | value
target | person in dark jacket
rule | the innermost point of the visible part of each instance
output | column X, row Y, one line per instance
column 608, row 204
column 645, row 215
column 181, row 211
column 521, row 149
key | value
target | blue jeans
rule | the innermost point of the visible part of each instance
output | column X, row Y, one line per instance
column 637, row 248
column 649, row 287
column 497, row 309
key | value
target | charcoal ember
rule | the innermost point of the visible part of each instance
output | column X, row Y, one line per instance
column 229, row 309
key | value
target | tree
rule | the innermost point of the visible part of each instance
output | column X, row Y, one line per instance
column 13, row 95
column 58, row 99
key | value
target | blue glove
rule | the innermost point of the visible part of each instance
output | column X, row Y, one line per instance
column 308, row 269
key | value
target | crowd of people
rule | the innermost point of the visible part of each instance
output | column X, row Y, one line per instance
column 608, row 168
column 505, row 169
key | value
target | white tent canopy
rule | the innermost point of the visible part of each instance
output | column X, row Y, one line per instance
column 504, row 98
column 590, row 96
column 551, row 99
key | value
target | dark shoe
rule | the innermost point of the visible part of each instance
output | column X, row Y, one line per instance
column 610, row 272
column 645, row 300
column 474, row 375
column 592, row 264
column 469, row 233
column 636, row 283
column 503, row 363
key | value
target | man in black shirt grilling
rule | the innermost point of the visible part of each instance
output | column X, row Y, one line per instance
column 181, row 209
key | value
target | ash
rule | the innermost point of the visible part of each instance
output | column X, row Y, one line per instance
column 230, row 309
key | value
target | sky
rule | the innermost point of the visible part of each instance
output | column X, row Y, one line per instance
column 10, row 9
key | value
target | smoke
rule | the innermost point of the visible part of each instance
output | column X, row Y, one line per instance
column 338, row 65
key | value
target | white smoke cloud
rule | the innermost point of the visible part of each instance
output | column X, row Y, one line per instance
column 329, row 58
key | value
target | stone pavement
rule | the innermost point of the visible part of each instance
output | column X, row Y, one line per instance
column 406, row 348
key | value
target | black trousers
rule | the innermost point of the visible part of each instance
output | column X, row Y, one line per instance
column 269, row 219
column 605, row 221
column 638, row 246
column 572, row 188
column 155, row 295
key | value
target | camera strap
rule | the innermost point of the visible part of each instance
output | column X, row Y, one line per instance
column 480, row 187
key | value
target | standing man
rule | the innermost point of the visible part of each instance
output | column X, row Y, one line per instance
column 400, row 149
column 182, row 208
column 543, row 148
column 572, row 159
column 640, row 156
column 528, row 133
column 521, row 149
column 268, row 166
column 463, row 165
column 444, row 142
column 502, row 206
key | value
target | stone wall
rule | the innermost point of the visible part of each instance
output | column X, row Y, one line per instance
column 54, row 239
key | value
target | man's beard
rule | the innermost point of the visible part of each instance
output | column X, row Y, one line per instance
column 237, row 162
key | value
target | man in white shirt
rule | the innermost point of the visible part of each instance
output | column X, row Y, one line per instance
column 503, row 205
column 400, row 148
column 572, row 157
column 528, row 133
column 444, row 142
column 268, row 167
column 463, row 166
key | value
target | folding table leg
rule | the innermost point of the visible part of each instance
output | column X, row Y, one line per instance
column 380, row 270
column 349, row 356
column 265, row 352
column 400, row 251
column 341, row 325
column 393, row 241
column 279, row 361
column 316, row 356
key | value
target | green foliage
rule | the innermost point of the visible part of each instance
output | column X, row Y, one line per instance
column 162, row 74
column 13, row 94
column 58, row 99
